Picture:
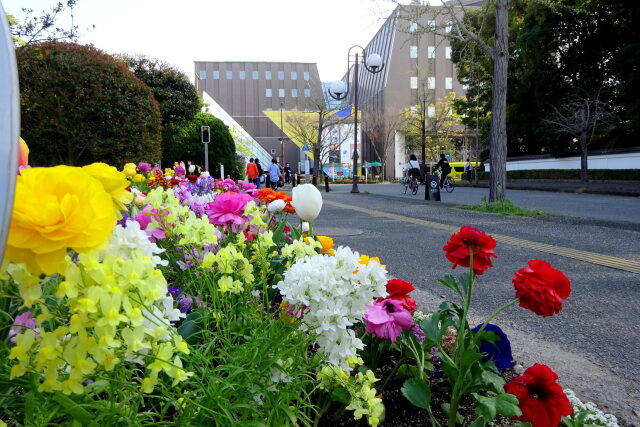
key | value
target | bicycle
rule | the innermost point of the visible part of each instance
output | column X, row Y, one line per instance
column 410, row 182
column 449, row 184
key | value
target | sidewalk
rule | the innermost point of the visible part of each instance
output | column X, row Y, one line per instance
column 617, row 188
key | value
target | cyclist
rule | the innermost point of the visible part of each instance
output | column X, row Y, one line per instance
column 413, row 167
column 444, row 166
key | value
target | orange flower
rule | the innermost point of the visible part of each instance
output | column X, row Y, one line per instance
column 281, row 195
column 288, row 208
column 266, row 195
column 364, row 259
column 327, row 245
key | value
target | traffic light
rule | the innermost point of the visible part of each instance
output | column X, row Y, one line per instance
column 206, row 137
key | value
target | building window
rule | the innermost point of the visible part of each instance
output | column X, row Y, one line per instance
column 447, row 52
column 294, row 76
column 268, row 93
column 305, row 75
column 294, row 93
column 281, row 93
column 307, row 93
column 216, row 75
column 431, row 83
column 267, row 75
column 431, row 52
column 431, row 24
column 413, row 82
column 203, row 75
column 243, row 75
column 431, row 111
column 413, row 51
column 448, row 83
column 254, row 75
column 273, row 151
column 280, row 75
column 413, row 27
column 229, row 75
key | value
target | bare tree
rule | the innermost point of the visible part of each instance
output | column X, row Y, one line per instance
column 455, row 10
column 34, row 29
column 381, row 129
column 580, row 116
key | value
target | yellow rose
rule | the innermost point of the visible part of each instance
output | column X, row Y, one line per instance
column 129, row 169
column 55, row 209
column 114, row 183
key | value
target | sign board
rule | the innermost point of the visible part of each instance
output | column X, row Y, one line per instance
column 432, row 190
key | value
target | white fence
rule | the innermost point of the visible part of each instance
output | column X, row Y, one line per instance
column 595, row 161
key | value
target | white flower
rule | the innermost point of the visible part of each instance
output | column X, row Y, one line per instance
column 308, row 201
column 204, row 173
column 276, row 206
column 305, row 227
column 335, row 289
column 125, row 241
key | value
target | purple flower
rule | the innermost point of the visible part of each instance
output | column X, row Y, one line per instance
column 185, row 304
column 144, row 167
column 175, row 291
column 255, row 293
column 434, row 354
column 499, row 350
column 418, row 332
column 387, row 319
column 23, row 321
column 179, row 170
column 437, row 373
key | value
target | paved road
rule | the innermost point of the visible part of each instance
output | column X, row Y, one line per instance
column 592, row 344
column 610, row 208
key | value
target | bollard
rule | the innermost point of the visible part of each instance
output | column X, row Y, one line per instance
column 314, row 180
column 298, row 179
column 326, row 184
column 293, row 180
column 432, row 189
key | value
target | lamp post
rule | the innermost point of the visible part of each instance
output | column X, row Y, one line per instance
column 281, row 136
column 339, row 91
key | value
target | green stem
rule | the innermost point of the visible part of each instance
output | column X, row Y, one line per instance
column 494, row 314
column 392, row 374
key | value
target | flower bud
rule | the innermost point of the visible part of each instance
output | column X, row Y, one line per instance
column 276, row 206
column 305, row 227
column 308, row 201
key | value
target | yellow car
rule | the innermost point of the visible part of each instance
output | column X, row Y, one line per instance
column 457, row 169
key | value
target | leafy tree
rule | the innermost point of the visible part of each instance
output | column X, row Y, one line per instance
column 80, row 105
column 186, row 144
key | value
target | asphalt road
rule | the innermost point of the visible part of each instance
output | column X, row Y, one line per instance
column 592, row 344
column 610, row 208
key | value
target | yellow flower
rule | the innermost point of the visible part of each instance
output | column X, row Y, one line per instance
column 129, row 169
column 114, row 182
column 327, row 245
column 364, row 259
column 138, row 177
column 55, row 209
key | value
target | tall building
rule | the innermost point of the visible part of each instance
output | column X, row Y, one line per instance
column 246, row 89
column 418, row 70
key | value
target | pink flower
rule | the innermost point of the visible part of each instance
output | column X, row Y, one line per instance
column 228, row 208
column 144, row 218
column 387, row 319
column 144, row 167
column 180, row 171
column 23, row 321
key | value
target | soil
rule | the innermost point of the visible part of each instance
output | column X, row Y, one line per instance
column 399, row 412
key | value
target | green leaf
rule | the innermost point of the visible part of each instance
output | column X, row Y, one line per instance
column 446, row 407
column 72, row 408
column 191, row 327
column 407, row 371
column 485, row 406
column 508, row 405
column 341, row 395
column 479, row 422
column 492, row 381
column 450, row 282
column 469, row 357
column 431, row 327
column 417, row 391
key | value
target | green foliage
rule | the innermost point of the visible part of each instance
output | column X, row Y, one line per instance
column 505, row 207
column 183, row 143
column 417, row 391
column 79, row 105
column 178, row 98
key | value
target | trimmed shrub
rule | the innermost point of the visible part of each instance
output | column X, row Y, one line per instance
column 79, row 105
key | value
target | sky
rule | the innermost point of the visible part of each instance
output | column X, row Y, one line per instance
column 181, row 32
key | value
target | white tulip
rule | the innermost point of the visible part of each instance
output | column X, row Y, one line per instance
column 276, row 206
column 305, row 227
column 192, row 168
column 308, row 201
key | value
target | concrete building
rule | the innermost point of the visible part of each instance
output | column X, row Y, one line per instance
column 246, row 89
column 418, row 70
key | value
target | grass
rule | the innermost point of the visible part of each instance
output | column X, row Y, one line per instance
column 504, row 207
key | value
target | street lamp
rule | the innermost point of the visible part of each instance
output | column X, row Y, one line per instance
column 339, row 91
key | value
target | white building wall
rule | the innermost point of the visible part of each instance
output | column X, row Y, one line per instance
column 399, row 155
column 598, row 161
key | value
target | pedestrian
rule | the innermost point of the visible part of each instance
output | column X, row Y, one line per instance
column 467, row 170
column 252, row 171
column 260, row 178
column 274, row 174
column 445, row 167
column 287, row 173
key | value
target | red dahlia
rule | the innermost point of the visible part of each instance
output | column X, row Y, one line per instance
column 468, row 240
column 399, row 290
column 542, row 400
column 541, row 288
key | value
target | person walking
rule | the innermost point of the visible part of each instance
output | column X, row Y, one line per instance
column 260, row 173
column 445, row 167
column 252, row 171
column 287, row 173
column 274, row 174
column 467, row 170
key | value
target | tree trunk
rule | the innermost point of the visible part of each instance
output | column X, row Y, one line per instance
column 498, row 134
column 584, row 170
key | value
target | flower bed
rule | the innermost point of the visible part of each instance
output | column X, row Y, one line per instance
column 154, row 297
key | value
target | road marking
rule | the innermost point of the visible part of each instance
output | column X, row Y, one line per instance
column 586, row 256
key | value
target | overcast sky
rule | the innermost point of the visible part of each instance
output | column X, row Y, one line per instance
column 180, row 32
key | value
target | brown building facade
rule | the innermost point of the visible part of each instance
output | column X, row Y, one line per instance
column 246, row 89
